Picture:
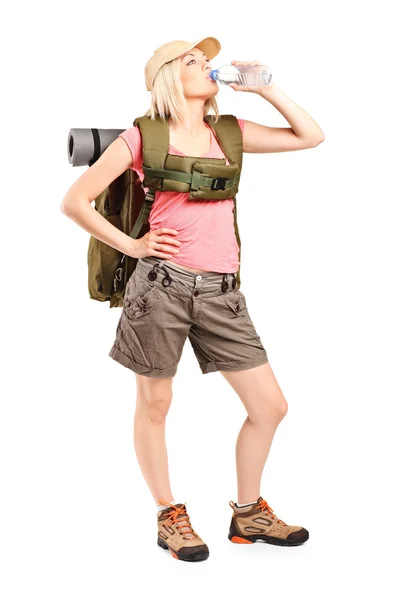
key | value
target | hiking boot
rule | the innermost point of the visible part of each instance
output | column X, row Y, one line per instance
column 176, row 534
column 258, row 522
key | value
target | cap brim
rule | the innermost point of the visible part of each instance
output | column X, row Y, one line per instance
column 209, row 45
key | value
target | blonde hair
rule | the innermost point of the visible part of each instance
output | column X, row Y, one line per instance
column 167, row 98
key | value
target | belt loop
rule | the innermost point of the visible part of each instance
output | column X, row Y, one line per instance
column 224, row 284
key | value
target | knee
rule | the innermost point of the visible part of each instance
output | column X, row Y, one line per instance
column 157, row 407
column 270, row 410
column 279, row 408
column 283, row 408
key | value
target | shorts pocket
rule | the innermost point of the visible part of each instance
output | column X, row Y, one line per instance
column 140, row 298
column 236, row 302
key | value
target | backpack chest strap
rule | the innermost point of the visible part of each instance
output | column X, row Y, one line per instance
column 203, row 179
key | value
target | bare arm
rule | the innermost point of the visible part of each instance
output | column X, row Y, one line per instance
column 77, row 205
column 303, row 133
column 259, row 138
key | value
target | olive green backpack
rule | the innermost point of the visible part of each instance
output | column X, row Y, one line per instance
column 124, row 204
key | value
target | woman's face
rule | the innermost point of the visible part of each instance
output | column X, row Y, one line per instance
column 195, row 69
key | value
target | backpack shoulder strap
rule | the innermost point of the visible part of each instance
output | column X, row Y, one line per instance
column 229, row 136
column 155, row 140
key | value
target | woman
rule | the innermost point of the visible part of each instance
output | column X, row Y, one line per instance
column 193, row 245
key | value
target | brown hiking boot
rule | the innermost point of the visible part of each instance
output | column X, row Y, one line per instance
column 258, row 522
column 176, row 534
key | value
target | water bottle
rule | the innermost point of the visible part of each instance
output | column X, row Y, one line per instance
column 242, row 75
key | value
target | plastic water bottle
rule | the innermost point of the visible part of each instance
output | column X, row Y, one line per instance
column 242, row 74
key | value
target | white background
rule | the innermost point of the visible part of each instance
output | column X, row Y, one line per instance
column 320, row 273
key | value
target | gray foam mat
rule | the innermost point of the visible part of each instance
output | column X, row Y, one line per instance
column 86, row 145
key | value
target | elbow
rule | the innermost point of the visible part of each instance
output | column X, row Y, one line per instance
column 317, row 141
column 65, row 208
column 320, row 138
column 70, row 205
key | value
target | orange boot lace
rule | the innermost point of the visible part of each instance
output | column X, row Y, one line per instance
column 179, row 515
column 265, row 507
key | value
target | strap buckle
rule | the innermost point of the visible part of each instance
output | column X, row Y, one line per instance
column 219, row 183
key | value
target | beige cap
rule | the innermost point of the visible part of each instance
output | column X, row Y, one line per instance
column 210, row 46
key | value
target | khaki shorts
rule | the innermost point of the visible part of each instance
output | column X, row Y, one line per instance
column 161, row 311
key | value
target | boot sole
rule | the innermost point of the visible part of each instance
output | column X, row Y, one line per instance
column 201, row 555
column 250, row 539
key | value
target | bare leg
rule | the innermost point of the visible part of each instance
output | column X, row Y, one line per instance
column 266, row 407
column 152, row 404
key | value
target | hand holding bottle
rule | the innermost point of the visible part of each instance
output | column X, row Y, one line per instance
column 243, row 76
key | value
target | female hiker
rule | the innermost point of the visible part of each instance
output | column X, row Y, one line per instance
column 184, row 286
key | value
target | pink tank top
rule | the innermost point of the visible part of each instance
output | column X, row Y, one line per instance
column 206, row 229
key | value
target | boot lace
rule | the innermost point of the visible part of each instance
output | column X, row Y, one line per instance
column 176, row 515
column 265, row 507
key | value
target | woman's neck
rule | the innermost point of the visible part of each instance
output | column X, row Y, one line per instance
column 189, row 126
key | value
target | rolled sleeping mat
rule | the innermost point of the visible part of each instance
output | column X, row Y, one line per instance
column 86, row 145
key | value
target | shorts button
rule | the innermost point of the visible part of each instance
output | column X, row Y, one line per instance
column 196, row 293
column 198, row 277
